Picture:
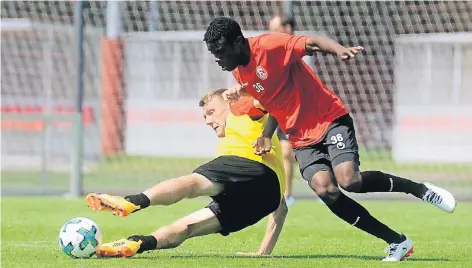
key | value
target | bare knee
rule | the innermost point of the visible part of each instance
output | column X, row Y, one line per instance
column 348, row 176
column 324, row 186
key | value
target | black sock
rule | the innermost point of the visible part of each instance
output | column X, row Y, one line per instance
column 149, row 242
column 376, row 181
column 355, row 214
column 139, row 200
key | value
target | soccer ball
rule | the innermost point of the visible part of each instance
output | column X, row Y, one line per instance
column 79, row 238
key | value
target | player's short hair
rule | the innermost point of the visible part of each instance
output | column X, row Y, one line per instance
column 286, row 20
column 223, row 30
column 210, row 95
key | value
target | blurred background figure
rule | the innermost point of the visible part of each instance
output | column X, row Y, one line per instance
column 286, row 24
column 282, row 24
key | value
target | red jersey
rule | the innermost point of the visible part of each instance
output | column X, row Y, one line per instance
column 288, row 89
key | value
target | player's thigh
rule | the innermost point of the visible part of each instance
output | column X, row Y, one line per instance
column 198, row 223
column 312, row 159
column 198, row 185
column 341, row 142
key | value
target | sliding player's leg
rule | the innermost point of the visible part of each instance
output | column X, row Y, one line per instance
column 165, row 193
column 344, row 154
column 242, row 203
column 199, row 223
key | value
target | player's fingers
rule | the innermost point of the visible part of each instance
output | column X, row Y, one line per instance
column 234, row 97
column 258, row 150
column 355, row 50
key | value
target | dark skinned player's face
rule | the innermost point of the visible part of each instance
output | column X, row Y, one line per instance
column 228, row 56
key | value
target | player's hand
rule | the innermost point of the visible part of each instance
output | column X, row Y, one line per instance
column 262, row 145
column 258, row 105
column 232, row 94
column 251, row 254
column 347, row 53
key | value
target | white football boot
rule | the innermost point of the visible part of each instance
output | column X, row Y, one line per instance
column 439, row 197
column 400, row 251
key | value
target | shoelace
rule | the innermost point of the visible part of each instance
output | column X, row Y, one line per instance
column 391, row 249
column 433, row 197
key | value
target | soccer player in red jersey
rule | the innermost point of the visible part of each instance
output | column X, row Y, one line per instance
column 319, row 127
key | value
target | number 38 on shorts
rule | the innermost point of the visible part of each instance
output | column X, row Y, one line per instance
column 338, row 141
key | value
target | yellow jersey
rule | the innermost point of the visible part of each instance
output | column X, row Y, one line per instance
column 240, row 134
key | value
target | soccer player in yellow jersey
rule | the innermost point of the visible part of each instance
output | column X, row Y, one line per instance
column 244, row 187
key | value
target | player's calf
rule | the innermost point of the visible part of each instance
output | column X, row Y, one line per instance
column 201, row 222
column 164, row 238
column 172, row 236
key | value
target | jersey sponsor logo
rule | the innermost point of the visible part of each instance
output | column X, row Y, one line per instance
column 338, row 140
column 261, row 73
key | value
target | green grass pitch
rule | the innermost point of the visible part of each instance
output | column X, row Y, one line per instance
column 312, row 237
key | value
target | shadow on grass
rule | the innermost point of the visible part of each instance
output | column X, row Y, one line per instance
column 312, row 256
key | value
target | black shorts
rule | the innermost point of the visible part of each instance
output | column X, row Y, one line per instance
column 282, row 136
column 251, row 191
column 338, row 145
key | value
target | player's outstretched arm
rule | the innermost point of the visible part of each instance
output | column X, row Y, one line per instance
column 326, row 44
column 274, row 228
column 263, row 144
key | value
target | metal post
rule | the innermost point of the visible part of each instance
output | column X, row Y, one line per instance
column 76, row 185
column 205, row 71
column 47, row 90
column 153, row 16
column 176, row 70
column 427, row 76
column 114, row 22
column 288, row 8
column 456, row 75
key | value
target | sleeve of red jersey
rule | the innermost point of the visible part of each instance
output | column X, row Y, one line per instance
column 245, row 105
column 285, row 47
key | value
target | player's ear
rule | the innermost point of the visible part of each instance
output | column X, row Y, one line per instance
column 238, row 42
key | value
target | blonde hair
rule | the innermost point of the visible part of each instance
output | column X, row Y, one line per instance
column 210, row 95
